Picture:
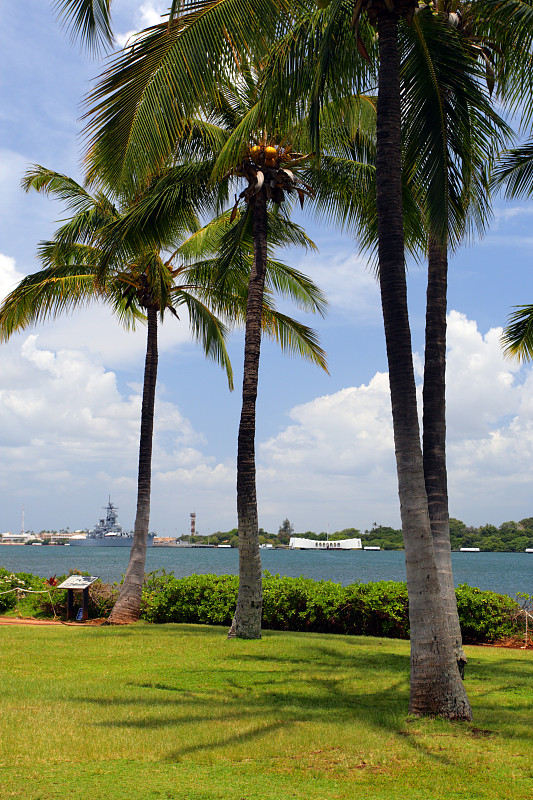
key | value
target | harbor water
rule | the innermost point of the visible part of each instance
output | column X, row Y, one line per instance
column 507, row 573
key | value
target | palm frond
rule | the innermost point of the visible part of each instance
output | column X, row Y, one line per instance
column 293, row 337
column 46, row 294
column 49, row 182
column 243, row 134
column 289, row 282
column 508, row 24
column 451, row 130
column 517, row 337
column 150, row 91
column 87, row 20
column 209, row 331
column 514, row 170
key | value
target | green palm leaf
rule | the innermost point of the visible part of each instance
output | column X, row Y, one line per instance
column 514, row 170
column 517, row 337
column 294, row 337
column 88, row 20
column 145, row 98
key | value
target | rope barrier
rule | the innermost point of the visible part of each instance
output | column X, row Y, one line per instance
column 19, row 590
column 528, row 616
column 27, row 591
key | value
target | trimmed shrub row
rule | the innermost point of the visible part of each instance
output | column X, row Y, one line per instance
column 289, row 604
column 301, row 604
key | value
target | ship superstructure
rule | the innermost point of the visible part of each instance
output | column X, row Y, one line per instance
column 107, row 532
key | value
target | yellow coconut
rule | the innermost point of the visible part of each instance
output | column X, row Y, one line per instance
column 255, row 151
column 271, row 152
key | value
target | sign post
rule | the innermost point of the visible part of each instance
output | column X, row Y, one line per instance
column 78, row 583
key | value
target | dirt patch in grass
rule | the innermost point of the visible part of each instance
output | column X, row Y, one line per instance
column 34, row 621
column 513, row 642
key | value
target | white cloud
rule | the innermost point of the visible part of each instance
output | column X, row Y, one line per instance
column 9, row 275
column 335, row 463
column 506, row 213
column 95, row 330
column 69, row 436
column 147, row 14
column 335, row 460
column 482, row 386
column 348, row 280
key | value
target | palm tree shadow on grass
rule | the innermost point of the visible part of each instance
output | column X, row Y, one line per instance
column 255, row 693
column 329, row 701
column 275, row 709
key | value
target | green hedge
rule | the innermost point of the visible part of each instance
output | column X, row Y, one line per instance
column 486, row 616
column 289, row 604
column 301, row 604
column 15, row 580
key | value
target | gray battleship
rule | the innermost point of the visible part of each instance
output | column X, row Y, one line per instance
column 107, row 533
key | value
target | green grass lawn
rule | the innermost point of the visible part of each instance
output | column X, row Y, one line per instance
column 178, row 711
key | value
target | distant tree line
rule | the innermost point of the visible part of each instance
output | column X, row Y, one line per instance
column 509, row 537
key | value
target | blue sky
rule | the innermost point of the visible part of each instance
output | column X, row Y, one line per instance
column 70, row 390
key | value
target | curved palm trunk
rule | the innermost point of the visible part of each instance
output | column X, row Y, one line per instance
column 128, row 605
column 434, row 434
column 247, row 620
column 436, row 686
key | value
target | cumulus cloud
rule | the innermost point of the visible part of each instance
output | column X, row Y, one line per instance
column 9, row 275
column 482, row 386
column 95, row 330
column 69, row 435
column 147, row 14
column 348, row 281
column 335, row 460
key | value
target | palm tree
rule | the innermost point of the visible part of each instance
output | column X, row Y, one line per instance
column 264, row 162
column 142, row 104
column 451, row 129
column 139, row 284
column 436, row 686
column 265, row 168
column 249, row 241
column 415, row 511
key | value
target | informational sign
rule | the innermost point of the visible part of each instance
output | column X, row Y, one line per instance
column 79, row 615
column 78, row 582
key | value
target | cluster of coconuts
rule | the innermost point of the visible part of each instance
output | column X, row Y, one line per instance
column 268, row 155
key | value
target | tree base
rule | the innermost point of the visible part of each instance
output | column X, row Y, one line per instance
column 237, row 631
column 122, row 619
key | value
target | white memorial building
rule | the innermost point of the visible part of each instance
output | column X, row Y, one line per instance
column 297, row 543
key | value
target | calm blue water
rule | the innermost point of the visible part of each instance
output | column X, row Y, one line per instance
column 507, row 573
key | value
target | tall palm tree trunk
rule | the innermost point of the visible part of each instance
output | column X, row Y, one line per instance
column 247, row 620
column 128, row 605
column 436, row 686
column 434, row 433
